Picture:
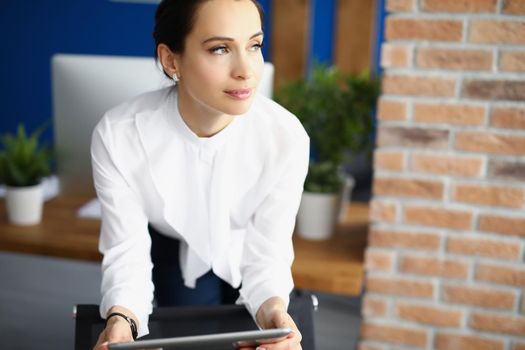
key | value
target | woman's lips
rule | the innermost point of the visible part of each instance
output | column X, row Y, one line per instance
column 240, row 94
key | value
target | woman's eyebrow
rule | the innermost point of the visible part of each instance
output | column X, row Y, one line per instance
column 225, row 38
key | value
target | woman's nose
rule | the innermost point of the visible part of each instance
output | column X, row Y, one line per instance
column 242, row 68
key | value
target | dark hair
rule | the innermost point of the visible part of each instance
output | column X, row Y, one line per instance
column 174, row 20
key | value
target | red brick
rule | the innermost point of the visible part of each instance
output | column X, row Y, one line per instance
column 450, row 341
column 400, row 239
column 507, row 170
column 393, row 334
column 470, row 6
column 443, row 164
column 383, row 211
column 388, row 186
column 374, row 307
column 436, row 316
column 486, row 31
column 423, row 29
column 509, row 118
column 451, row 114
column 376, row 260
column 430, row 266
column 506, row 225
column 475, row 60
column 484, row 247
column 389, row 160
column 490, row 142
column 504, row 90
column 389, row 110
column 514, row 7
column 418, row 85
column 501, row 275
column 512, row 61
column 479, row 296
column 438, row 217
column 399, row 286
column 497, row 196
column 498, row 323
column 395, row 55
column 412, row 137
column 399, row 5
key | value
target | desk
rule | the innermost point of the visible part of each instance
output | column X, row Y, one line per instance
column 335, row 265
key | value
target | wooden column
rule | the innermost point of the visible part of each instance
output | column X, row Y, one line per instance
column 354, row 35
column 289, row 38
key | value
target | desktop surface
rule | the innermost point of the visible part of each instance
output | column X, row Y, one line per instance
column 335, row 265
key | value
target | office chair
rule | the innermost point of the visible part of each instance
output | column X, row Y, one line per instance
column 197, row 320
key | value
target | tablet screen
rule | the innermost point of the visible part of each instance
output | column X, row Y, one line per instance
column 210, row 341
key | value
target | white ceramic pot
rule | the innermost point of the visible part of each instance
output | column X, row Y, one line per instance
column 24, row 204
column 346, row 194
column 318, row 214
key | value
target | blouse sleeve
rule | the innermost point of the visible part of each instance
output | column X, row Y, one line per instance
column 268, row 249
column 124, row 239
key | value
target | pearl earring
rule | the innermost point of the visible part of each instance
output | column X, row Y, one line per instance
column 175, row 78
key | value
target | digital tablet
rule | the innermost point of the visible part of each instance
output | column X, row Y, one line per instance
column 232, row 340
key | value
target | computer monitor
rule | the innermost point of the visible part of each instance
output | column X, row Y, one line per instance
column 86, row 86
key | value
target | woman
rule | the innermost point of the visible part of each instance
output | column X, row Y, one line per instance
column 212, row 170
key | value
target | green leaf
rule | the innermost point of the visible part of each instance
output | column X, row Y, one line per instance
column 22, row 161
column 336, row 111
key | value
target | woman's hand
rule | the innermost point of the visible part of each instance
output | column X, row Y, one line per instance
column 272, row 314
column 117, row 330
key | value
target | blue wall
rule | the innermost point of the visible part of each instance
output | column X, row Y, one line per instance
column 33, row 30
column 321, row 33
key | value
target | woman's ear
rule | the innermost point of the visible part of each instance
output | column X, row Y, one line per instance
column 168, row 60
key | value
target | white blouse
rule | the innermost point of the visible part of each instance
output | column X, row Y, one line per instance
column 231, row 199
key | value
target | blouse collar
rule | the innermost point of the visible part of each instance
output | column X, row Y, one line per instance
column 213, row 142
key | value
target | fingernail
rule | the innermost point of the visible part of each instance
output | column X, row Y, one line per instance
column 105, row 343
column 259, row 348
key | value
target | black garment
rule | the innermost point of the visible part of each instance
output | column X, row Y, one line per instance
column 169, row 284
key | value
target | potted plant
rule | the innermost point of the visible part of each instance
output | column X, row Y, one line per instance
column 336, row 111
column 23, row 165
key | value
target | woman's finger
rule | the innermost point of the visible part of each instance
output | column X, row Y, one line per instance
column 103, row 346
column 292, row 343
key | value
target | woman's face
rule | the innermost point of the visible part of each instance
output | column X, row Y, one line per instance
column 222, row 63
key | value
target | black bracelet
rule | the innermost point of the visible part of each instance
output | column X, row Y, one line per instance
column 131, row 322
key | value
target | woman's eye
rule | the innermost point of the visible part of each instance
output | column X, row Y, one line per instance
column 218, row 50
column 256, row 47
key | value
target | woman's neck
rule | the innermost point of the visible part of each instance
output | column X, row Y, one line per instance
column 202, row 120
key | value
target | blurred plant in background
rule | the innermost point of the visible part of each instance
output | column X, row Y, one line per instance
column 336, row 111
column 23, row 162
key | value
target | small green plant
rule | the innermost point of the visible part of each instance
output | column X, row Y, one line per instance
column 23, row 162
column 336, row 112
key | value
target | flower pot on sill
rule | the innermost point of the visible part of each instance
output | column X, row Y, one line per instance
column 318, row 214
column 24, row 204
column 346, row 195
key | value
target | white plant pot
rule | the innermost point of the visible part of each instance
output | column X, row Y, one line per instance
column 24, row 204
column 318, row 214
column 346, row 193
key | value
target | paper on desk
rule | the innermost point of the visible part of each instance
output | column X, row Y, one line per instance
column 90, row 210
column 50, row 184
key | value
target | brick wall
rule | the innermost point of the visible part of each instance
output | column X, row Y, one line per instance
column 445, row 261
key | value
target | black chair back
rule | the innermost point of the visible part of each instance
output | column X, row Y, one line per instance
column 197, row 320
